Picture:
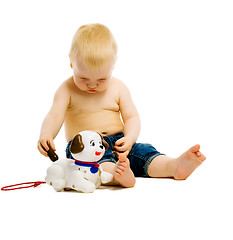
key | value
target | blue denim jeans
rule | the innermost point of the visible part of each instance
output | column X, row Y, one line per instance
column 140, row 156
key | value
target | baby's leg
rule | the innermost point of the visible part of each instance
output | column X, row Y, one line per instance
column 179, row 168
column 110, row 168
column 122, row 174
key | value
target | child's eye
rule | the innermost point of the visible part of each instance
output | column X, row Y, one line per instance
column 83, row 78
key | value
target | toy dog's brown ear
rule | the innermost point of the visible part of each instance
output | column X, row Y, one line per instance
column 104, row 142
column 77, row 144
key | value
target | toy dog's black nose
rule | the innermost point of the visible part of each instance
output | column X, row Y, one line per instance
column 101, row 146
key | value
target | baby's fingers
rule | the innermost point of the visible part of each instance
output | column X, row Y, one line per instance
column 120, row 142
column 51, row 144
column 120, row 148
column 42, row 149
column 44, row 144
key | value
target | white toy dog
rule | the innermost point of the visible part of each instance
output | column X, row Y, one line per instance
column 83, row 173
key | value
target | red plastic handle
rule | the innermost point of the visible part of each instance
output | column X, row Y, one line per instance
column 14, row 187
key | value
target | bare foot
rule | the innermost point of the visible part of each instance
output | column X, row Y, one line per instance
column 188, row 162
column 122, row 172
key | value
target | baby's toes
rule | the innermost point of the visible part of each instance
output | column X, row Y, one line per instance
column 202, row 157
column 121, row 167
column 118, row 171
column 198, row 154
column 122, row 164
column 122, row 158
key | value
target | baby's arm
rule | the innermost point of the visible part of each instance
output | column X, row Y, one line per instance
column 131, row 121
column 54, row 119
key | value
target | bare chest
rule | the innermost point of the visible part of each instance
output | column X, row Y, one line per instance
column 81, row 104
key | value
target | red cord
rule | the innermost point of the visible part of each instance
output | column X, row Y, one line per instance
column 31, row 184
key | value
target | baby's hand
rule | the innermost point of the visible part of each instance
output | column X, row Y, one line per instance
column 123, row 145
column 43, row 145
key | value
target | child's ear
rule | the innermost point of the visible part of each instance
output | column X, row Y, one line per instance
column 70, row 62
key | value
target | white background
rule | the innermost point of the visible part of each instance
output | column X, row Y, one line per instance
column 176, row 57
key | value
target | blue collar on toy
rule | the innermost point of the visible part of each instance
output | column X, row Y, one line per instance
column 94, row 166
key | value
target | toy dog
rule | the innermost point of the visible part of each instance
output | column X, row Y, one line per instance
column 82, row 173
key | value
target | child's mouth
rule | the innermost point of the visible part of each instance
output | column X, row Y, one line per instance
column 92, row 91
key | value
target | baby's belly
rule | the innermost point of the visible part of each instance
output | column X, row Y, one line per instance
column 104, row 122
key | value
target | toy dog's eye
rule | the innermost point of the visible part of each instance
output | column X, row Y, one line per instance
column 92, row 143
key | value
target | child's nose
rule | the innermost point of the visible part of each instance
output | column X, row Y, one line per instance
column 92, row 85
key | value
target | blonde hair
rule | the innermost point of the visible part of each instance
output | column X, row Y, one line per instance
column 94, row 44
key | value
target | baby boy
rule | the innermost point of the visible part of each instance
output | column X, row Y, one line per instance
column 92, row 99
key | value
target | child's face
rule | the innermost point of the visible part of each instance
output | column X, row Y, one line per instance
column 91, row 81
